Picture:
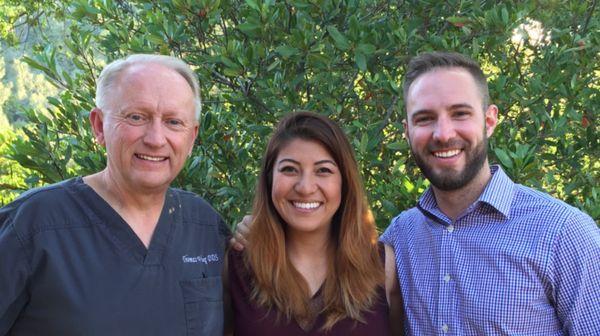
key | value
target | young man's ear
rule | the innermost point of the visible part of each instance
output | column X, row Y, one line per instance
column 97, row 122
column 405, row 125
column 491, row 119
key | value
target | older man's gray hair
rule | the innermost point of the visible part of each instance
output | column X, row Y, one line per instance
column 111, row 72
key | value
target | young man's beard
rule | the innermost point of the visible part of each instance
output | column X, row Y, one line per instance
column 450, row 180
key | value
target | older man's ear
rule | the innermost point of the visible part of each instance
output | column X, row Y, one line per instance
column 97, row 121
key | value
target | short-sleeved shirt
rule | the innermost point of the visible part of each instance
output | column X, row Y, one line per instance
column 253, row 320
column 516, row 262
column 70, row 265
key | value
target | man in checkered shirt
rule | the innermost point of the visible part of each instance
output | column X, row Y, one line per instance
column 479, row 254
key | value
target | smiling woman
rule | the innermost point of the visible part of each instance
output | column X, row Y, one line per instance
column 306, row 187
column 312, row 265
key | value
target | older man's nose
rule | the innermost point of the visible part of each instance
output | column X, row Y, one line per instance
column 155, row 134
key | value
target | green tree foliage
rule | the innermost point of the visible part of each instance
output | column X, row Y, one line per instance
column 24, row 28
column 4, row 96
column 258, row 60
column 21, row 89
column 14, row 179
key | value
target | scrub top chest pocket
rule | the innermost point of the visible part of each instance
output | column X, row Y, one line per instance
column 203, row 300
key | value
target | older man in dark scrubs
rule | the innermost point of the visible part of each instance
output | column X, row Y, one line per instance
column 119, row 252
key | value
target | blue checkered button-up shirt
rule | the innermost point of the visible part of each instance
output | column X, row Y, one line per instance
column 516, row 262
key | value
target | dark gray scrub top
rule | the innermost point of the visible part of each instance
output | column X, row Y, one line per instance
column 70, row 265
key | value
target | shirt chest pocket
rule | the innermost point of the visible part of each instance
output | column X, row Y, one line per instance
column 203, row 300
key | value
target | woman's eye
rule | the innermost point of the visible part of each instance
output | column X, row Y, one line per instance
column 287, row 169
column 324, row 170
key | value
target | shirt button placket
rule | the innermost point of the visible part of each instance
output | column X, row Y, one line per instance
column 446, row 278
column 445, row 328
column 446, row 302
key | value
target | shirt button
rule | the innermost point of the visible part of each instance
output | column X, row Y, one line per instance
column 447, row 278
column 445, row 328
column 450, row 228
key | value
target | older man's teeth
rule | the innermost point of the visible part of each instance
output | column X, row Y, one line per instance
column 151, row 158
column 447, row 154
column 308, row 206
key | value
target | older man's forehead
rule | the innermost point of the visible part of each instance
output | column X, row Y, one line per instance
column 148, row 77
column 149, row 70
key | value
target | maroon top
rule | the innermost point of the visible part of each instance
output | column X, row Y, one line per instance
column 249, row 319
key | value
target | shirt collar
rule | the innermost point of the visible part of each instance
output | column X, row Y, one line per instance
column 498, row 193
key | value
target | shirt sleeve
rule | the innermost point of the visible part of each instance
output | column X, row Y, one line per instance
column 388, row 237
column 14, row 274
column 575, row 274
column 224, row 230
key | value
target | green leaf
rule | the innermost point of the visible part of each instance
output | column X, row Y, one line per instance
column 389, row 207
column 253, row 4
column 67, row 158
column 364, row 142
column 366, row 48
column 249, row 27
column 395, row 146
column 301, row 4
column 574, row 81
column 287, row 51
column 229, row 63
column 457, row 21
column 503, row 157
column 54, row 101
column 274, row 65
column 505, row 16
column 339, row 39
column 231, row 72
column 408, row 185
column 32, row 180
column 207, row 120
column 361, row 60
column 34, row 64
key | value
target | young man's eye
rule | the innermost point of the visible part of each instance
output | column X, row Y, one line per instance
column 462, row 114
column 421, row 120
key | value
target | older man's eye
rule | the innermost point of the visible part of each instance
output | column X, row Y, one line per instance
column 135, row 118
column 174, row 122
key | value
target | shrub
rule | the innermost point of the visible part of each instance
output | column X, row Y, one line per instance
column 258, row 60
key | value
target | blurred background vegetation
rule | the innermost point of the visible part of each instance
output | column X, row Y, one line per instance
column 258, row 60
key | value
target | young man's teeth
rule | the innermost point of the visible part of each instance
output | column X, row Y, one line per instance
column 150, row 158
column 311, row 205
column 447, row 153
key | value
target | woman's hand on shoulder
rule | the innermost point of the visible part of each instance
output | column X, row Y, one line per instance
column 238, row 240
